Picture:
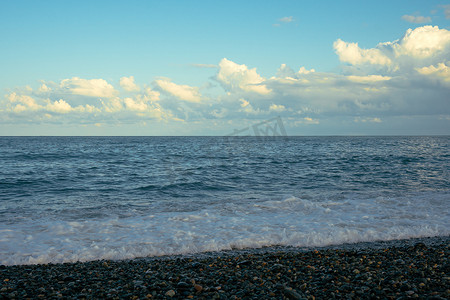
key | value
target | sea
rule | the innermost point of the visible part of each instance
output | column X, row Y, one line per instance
column 69, row 199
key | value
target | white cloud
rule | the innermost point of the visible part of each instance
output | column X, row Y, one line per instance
column 88, row 109
column 204, row 66
column 128, row 84
column 59, row 106
column 277, row 108
column 237, row 77
column 219, row 113
column 19, row 108
column 248, row 108
column 135, row 105
column 396, row 92
column 419, row 47
column 74, row 98
column 286, row 72
column 305, row 71
column 446, row 10
column 416, row 19
column 422, row 42
column 88, row 87
column 244, row 103
column 24, row 102
column 152, row 95
column 287, row 19
column 182, row 92
column 441, row 70
column 44, row 88
column 368, row 78
column 351, row 53
column 112, row 105
column 143, row 109
column 309, row 120
column 303, row 121
column 367, row 120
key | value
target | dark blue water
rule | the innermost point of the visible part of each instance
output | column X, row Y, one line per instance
column 84, row 198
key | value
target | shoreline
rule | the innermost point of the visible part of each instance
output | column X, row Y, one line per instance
column 407, row 268
column 381, row 244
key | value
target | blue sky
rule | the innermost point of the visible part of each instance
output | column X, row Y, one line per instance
column 209, row 67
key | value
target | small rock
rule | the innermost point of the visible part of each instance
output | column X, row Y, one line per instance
column 183, row 285
column 138, row 282
column 292, row 294
column 198, row 287
column 170, row 293
column 277, row 267
column 196, row 265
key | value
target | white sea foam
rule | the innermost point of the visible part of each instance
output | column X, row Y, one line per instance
column 293, row 221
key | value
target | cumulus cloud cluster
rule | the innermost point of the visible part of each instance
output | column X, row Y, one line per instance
column 182, row 92
column 128, row 84
column 238, row 78
column 403, row 78
column 91, row 88
column 408, row 76
column 418, row 47
column 75, row 99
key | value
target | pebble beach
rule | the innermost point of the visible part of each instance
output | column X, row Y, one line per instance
column 403, row 269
